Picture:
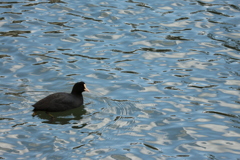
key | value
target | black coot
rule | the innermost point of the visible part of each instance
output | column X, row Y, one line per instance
column 62, row 101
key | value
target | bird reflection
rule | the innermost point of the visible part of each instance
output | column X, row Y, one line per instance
column 62, row 117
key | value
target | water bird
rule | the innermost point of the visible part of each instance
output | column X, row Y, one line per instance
column 61, row 101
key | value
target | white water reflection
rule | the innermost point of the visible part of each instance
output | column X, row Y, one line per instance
column 215, row 146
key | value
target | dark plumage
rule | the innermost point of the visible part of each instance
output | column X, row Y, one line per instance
column 62, row 101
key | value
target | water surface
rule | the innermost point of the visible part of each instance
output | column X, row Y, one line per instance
column 164, row 77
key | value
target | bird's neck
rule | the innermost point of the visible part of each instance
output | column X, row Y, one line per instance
column 76, row 93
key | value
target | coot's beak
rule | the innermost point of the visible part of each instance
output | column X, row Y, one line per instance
column 86, row 89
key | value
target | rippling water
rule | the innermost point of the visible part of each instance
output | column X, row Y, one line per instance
column 164, row 77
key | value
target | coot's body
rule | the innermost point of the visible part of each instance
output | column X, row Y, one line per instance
column 62, row 101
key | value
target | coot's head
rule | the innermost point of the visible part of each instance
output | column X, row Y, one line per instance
column 79, row 87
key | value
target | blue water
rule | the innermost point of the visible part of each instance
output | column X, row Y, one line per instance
column 164, row 79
